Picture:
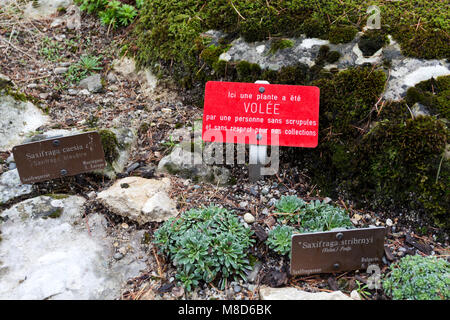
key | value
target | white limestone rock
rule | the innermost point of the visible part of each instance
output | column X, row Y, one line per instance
column 141, row 200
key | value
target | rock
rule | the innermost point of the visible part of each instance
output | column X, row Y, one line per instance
column 4, row 81
column 237, row 288
column 73, row 18
column 253, row 274
column 267, row 293
column 265, row 190
column 376, row 58
column 190, row 165
column 355, row 295
column 389, row 222
column 92, row 83
column 143, row 200
column 127, row 68
column 60, row 70
column 18, row 118
column 118, row 256
column 407, row 72
column 126, row 138
column 11, row 187
column 419, row 109
column 48, row 253
column 327, row 200
column 243, row 204
column 249, row 218
column 41, row 9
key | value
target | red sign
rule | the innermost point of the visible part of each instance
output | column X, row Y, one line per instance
column 264, row 114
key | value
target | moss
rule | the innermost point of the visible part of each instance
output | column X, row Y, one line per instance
column 57, row 196
column 248, row 72
column 110, row 145
column 372, row 41
column 333, row 56
column 426, row 44
column 315, row 28
column 53, row 214
column 170, row 38
column 342, row 34
column 434, row 94
column 280, row 44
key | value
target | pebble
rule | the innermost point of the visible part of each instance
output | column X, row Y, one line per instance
column 118, row 256
column 327, row 200
column 124, row 226
column 72, row 92
column 243, row 204
column 60, row 70
column 237, row 288
column 12, row 166
column 249, row 218
column 265, row 190
column 123, row 251
column 389, row 223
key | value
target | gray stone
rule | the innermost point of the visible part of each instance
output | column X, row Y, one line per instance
column 142, row 200
column 249, row 218
column 267, row 293
column 60, row 70
column 11, row 187
column 190, row 165
column 17, row 119
column 419, row 110
column 251, row 277
column 42, row 9
column 4, row 81
column 47, row 252
column 127, row 68
column 92, row 83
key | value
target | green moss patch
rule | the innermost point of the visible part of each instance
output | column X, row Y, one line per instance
column 280, row 44
column 110, row 145
column 380, row 154
column 433, row 93
column 372, row 41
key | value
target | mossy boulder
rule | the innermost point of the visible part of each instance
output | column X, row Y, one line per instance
column 381, row 156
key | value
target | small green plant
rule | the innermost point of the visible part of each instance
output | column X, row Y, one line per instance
column 418, row 278
column 362, row 290
column 117, row 13
column 111, row 12
column 314, row 216
column 206, row 244
column 83, row 68
column 279, row 239
column 92, row 6
column 170, row 144
column 50, row 49
column 290, row 204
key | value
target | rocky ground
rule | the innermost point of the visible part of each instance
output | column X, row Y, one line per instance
column 89, row 236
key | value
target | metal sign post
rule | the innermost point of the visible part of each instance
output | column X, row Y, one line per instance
column 257, row 153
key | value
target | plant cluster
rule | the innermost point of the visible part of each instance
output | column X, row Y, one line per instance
column 111, row 12
column 279, row 239
column 208, row 244
column 83, row 68
column 315, row 216
column 418, row 278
